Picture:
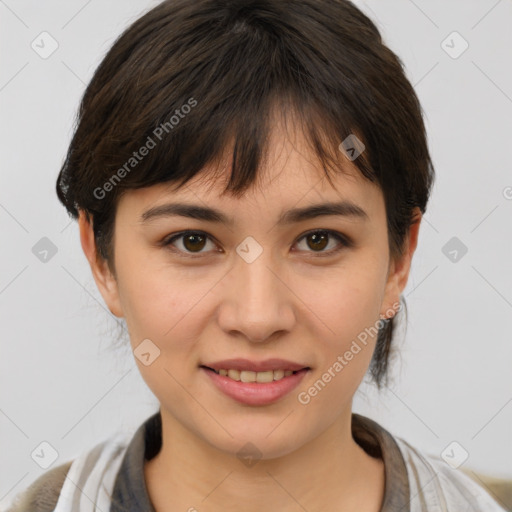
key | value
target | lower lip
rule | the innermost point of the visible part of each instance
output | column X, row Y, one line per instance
column 255, row 393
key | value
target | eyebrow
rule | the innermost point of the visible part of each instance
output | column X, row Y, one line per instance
column 343, row 208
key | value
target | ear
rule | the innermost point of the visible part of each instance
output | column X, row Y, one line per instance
column 398, row 273
column 105, row 280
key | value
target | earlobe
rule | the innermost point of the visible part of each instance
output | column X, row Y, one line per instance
column 105, row 281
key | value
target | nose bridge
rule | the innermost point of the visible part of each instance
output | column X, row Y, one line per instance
column 260, row 284
column 258, row 302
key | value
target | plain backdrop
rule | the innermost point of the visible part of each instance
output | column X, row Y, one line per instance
column 61, row 382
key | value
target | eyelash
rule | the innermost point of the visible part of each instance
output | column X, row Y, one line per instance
column 345, row 242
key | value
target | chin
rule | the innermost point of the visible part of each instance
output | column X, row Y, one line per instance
column 257, row 441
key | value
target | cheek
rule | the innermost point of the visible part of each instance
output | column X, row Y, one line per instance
column 162, row 305
column 349, row 307
column 351, row 302
column 161, row 302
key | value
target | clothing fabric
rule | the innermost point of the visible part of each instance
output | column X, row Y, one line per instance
column 110, row 477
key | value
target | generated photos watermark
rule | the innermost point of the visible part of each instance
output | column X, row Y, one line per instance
column 151, row 142
column 304, row 397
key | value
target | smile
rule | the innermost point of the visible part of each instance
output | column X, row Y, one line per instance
column 255, row 388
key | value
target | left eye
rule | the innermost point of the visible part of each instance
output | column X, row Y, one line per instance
column 193, row 242
column 319, row 240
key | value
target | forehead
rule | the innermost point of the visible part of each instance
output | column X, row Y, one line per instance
column 290, row 175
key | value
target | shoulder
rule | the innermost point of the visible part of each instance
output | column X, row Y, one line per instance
column 500, row 488
column 96, row 467
column 434, row 483
column 42, row 495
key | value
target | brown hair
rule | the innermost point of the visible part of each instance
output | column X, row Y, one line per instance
column 192, row 78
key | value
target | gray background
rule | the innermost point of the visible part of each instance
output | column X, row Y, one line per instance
column 61, row 382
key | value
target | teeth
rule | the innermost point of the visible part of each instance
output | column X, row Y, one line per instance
column 278, row 374
column 248, row 376
column 234, row 374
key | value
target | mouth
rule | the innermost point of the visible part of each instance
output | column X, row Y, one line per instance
column 255, row 388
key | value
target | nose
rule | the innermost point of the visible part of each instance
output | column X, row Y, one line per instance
column 257, row 302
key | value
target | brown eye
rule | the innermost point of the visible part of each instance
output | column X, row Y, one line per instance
column 190, row 242
column 317, row 241
column 194, row 242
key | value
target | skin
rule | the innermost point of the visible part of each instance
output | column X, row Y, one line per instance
column 288, row 303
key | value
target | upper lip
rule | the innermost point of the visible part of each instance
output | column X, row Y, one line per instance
column 255, row 366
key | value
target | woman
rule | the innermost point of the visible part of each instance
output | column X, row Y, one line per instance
column 249, row 179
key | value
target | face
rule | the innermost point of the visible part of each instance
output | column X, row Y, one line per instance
column 307, row 290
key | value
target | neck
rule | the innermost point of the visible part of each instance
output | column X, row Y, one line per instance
column 332, row 472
